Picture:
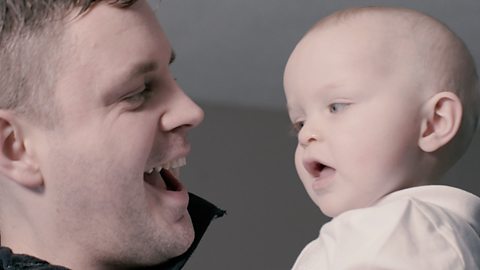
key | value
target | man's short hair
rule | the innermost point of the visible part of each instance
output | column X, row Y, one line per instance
column 30, row 52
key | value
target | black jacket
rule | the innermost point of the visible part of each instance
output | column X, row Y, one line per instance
column 201, row 212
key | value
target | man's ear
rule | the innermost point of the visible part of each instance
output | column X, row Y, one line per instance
column 16, row 163
column 441, row 118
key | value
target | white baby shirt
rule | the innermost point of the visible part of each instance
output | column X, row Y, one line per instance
column 421, row 228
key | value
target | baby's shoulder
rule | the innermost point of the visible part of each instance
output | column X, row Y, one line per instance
column 405, row 229
column 407, row 212
column 430, row 207
column 429, row 227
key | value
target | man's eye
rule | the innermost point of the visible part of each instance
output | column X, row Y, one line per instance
column 337, row 107
column 139, row 97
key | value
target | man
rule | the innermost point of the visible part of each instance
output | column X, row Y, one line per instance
column 92, row 130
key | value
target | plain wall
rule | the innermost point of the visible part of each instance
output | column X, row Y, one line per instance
column 233, row 53
column 242, row 160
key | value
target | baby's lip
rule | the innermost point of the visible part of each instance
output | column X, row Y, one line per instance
column 315, row 167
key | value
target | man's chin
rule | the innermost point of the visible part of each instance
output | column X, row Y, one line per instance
column 167, row 244
column 166, row 251
column 184, row 237
column 188, row 238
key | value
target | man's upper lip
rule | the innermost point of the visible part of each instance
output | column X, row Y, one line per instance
column 180, row 152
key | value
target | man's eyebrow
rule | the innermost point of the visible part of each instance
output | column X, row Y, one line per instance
column 146, row 67
column 173, row 56
column 142, row 68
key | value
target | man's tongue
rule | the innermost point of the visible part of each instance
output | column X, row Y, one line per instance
column 171, row 180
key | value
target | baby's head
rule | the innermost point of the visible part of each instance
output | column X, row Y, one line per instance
column 383, row 99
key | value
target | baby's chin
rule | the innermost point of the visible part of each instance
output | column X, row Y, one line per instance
column 331, row 211
column 335, row 208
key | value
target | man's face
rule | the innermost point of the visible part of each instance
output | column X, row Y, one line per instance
column 355, row 100
column 122, row 115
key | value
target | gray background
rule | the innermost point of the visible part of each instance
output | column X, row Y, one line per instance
column 231, row 55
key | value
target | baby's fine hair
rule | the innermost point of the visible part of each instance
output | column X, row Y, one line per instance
column 443, row 56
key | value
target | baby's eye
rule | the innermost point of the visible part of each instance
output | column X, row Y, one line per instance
column 296, row 127
column 337, row 107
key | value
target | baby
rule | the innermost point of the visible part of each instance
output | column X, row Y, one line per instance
column 385, row 101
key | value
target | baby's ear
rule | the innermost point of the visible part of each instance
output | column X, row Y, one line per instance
column 441, row 118
column 16, row 164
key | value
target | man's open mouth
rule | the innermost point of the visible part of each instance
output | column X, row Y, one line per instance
column 165, row 176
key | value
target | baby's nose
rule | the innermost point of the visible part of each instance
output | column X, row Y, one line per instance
column 308, row 134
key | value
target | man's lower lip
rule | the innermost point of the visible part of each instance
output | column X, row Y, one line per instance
column 181, row 195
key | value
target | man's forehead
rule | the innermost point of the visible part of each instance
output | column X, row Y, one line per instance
column 105, row 25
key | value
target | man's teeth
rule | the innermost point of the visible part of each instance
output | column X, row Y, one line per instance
column 176, row 163
column 169, row 165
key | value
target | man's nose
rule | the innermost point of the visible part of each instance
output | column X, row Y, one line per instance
column 309, row 133
column 182, row 113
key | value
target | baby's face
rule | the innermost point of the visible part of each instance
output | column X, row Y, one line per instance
column 355, row 101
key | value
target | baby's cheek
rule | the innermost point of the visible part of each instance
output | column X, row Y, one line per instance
column 298, row 158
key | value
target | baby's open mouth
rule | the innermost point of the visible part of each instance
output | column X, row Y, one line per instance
column 166, row 175
column 320, row 167
column 315, row 168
